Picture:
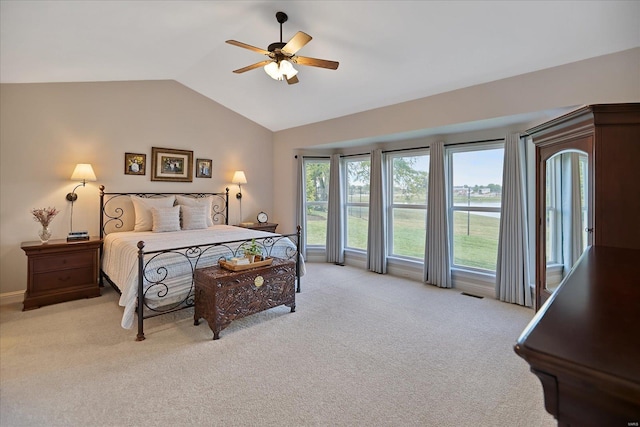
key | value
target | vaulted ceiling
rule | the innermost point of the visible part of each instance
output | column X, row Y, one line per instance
column 389, row 51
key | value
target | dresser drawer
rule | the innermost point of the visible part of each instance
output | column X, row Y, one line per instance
column 61, row 261
column 61, row 279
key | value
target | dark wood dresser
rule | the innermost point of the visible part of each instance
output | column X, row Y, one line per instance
column 61, row 271
column 584, row 344
column 222, row 296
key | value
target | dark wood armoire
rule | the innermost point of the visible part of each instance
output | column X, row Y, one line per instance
column 584, row 342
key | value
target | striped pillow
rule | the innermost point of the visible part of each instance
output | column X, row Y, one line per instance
column 193, row 217
column 202, row 201
column 166, row 219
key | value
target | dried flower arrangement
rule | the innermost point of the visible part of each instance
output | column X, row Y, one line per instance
column 45, row 215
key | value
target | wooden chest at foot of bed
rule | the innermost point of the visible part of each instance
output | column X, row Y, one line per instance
column 222, row 296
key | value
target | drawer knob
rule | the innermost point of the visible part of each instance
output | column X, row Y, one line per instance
column 258, row 281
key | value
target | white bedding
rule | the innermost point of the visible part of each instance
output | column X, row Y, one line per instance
column 120, row 261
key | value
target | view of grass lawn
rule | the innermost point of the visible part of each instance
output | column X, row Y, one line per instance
column 475, row 246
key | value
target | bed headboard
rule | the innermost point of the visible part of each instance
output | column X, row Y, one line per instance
column 117, row 212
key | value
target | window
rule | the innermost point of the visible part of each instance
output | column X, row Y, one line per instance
column 475, row 195
column 408, row 182
column 357, row 202
column 566, row 207
column 316, row 173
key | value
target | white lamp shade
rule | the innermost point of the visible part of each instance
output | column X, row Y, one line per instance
column 83, row 172
column 273, row 70
column 239, row 178
column 286, row 68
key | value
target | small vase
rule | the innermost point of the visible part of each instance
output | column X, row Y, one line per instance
column 45, row 234
column 251, row 258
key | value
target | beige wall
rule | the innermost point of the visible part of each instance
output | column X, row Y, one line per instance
column 605, row 79
column 47, row 128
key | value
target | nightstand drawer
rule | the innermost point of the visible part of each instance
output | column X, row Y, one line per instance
column 63, row 261
column 62, row 279
column 61, row 271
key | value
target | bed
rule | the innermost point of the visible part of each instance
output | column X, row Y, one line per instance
column 154, row 242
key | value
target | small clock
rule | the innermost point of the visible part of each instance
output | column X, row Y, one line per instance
column 262, row 218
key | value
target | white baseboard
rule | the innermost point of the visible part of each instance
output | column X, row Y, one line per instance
column 11, row 297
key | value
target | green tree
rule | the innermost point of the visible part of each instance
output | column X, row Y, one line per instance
column 317, row 181
column 495, row 188
column 413, row 183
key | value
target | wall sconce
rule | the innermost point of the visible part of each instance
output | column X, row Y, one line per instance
column 239, row 178
column 83, row 172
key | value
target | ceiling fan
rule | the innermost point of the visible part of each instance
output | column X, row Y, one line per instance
column 282, row 56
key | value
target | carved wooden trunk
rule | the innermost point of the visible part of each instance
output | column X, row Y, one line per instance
column 222, row 296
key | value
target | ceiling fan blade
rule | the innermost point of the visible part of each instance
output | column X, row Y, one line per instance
column 313, row 62
column 296, row 43
column 293, row 80
column 252, row 66
column 248, row 46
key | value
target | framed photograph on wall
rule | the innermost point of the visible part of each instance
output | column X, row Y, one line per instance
column 135, row 164
column 169, row 164
column 203, row 168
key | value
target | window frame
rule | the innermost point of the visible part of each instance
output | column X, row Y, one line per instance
column 346, row 204
column 307, row 203
column 451, row 208
column 391, row 205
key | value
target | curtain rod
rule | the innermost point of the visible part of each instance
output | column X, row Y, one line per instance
column 446, row 145
column 413, row 148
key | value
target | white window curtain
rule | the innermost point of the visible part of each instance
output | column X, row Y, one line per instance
column 572, row 246
column 512, row 272
column 437, row 269
column 377, row 241
column 335, row 244
column 301, row 199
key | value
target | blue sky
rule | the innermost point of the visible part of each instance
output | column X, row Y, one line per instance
column 472, row 168
column 478, row 167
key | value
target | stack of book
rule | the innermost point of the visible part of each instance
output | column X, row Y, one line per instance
column 238, row 261
column 77, row 235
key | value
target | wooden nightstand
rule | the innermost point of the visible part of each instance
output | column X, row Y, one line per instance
column 262, row 226
column 61, row 271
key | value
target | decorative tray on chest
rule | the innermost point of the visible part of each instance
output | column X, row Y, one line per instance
column 240, row 267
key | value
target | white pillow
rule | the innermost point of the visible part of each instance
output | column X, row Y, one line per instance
column 193, row 217
column 202, row 201
column 166, row 219
column 142, row 207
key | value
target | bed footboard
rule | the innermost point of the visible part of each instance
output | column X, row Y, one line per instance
column 158, row 271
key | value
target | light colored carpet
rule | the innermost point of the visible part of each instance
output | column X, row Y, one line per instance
column 362, row 349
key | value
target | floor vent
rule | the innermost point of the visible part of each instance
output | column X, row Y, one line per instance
column 471, row 295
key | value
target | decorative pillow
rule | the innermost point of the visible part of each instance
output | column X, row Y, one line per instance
column 142, row 208
column 202, row 201
column 193, row 217
column 166, row 219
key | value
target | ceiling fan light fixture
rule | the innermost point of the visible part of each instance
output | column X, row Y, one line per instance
column 280, row 70
column 273, row 70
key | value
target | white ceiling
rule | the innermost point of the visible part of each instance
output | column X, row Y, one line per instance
column 389, row 51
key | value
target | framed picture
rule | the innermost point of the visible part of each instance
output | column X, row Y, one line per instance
column 168, row 164
column 203, row 168
column 135, row 164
